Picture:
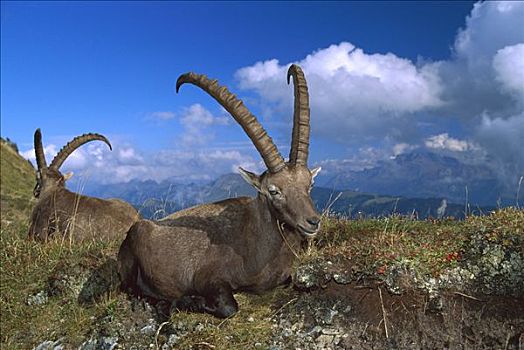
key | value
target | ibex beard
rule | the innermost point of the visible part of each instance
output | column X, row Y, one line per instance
column 197, row 258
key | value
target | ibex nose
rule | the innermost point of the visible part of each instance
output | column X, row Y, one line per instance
column 314, row 221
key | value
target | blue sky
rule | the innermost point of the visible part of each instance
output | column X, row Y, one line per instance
column 385, row 78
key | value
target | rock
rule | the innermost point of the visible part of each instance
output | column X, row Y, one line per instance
column 312, row 275
column 287, row 332
column 102, row 343
column 89, row 344
column 148, row 330
column 50, row 345
column 199, row 327
column 343, row 277
column 435, row 303
column 331, row 331
column 171, row 342
column 315, row 331
column 83, row 283
column 39, row 298
column 324, row 341
column 393, row 279
column 327, row 316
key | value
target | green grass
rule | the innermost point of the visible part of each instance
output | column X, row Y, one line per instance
column 16, row 186
column 428, row 246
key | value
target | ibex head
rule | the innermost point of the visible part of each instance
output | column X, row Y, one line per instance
column 50, row 177
column 285, row 185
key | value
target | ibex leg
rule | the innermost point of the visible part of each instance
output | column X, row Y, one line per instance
column 217, row 300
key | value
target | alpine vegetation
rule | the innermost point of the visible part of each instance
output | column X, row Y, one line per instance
column 198, row 257
column 60, row 212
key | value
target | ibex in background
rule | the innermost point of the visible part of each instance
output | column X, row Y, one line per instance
column 197, row 258
column 60, row 211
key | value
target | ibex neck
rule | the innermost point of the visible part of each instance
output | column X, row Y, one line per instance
column 282, row 243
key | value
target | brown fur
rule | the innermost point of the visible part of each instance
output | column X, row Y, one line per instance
column 63, row 213
column 234, row 243
column 60, row 212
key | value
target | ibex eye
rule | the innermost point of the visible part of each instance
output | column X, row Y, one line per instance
column 273, row 190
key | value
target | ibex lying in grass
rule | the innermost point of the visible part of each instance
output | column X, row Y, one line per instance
column 199, row 256
column 61, row 211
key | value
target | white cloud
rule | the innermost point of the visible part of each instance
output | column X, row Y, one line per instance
column 128, row 155
column 445, row 142
column 49, row 152
column 196, row 121
column 161, row 115
column 365, row 99
column 95, row 163
column 503, row 137
column 360, row 98
column 81, row 158
column 351, row 90
column 77, row 159
column 508, row 64
column 401, row 148
column 482, row 51
column 365, row 158
column 491, row 25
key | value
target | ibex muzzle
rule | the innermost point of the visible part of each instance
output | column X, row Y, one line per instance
column 199, row 256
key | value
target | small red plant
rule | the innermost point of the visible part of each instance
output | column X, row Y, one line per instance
column 454, row 256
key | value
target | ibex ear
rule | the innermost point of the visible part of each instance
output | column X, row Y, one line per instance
column 250, row 178
column 68, row 176
column 315, row 172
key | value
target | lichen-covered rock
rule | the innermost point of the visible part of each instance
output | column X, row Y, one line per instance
column 171, row 342
column 39, row 298
column 313, row 274
column 494, row 263
column 491, row 262
column 102, row 343
column 315, row 323
column 83, row 283
column 50, row 345
column 343, row 277
column 394, row 277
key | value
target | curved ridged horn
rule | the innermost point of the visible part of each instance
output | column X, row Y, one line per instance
column 71, row 146
column 300, row 139
column 39, row 150
column 263, row 143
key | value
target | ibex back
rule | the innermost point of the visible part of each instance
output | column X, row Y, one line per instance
column 59, row 211
column 198, row 257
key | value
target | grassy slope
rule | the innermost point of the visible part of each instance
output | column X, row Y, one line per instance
column 17, row 182
column 371, row 246
column 26, row 266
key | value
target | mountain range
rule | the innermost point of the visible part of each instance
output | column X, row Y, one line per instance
column 425, row 174
column 156, row 200
column 418, row 183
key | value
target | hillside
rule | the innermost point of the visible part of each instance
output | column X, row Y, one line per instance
column 387, row 283
column 17, row 178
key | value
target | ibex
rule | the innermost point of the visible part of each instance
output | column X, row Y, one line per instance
column 198, row 257
column 58, row 210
